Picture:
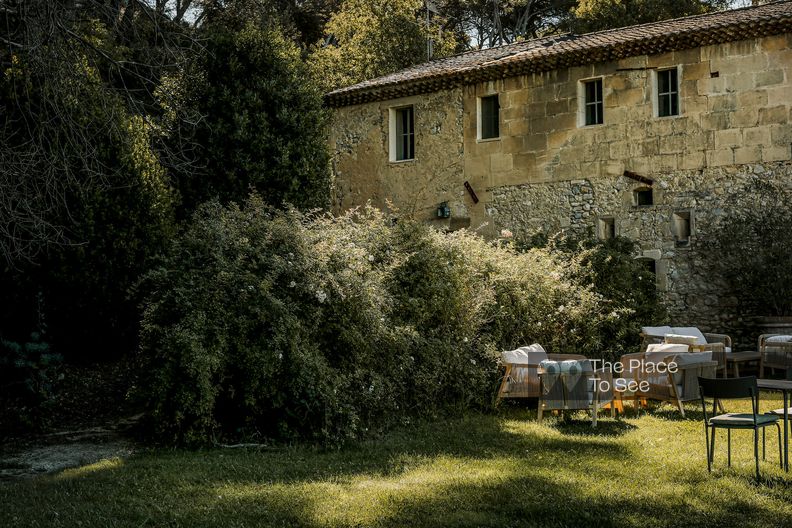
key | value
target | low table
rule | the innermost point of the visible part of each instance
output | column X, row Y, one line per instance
column 784, row 387
column 736, row 358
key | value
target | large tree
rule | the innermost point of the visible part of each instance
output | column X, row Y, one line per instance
column 246, row 115
column 597, row 15
column 369, row 38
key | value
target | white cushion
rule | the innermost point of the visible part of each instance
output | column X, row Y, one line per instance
column 658, row 352
column 692, row 358
column 690, row 331
column 678, row 339
column 656, row 331
column 521, row 356
column 779, row 339
column 689, row 359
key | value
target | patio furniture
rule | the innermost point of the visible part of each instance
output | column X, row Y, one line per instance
column 735, row 388
column 574, row 384
column 521, row 376
column 653, row 367
column 784, row 387
column 719, row 344
column 775, row 351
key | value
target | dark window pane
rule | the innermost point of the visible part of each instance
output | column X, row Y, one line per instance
column 593, row 102
column 663, row 105
column 490, row 118
column 674, row 104
column 644, row 197
column 405, row 134
column 662, row 80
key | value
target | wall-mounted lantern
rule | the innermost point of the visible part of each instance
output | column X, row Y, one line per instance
column 443, row 211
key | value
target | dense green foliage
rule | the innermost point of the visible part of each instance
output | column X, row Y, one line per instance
column 598, row 15
column 625, row 287
column 262, row 122
column 375, row 37
column 750, row 250
column 289, row 326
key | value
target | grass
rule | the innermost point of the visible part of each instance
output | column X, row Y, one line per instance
column 482, row 470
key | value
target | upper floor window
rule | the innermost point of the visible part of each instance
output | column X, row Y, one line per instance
column 402, row 128
column 489, row 117
column 667, row 92
column 592, row 93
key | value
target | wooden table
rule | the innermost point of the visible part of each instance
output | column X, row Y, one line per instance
column 784, row 387
column 735, row 358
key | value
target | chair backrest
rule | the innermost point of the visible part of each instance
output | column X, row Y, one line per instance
column 729, row 388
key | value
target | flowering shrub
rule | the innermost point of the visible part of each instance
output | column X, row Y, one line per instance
column 306, row 326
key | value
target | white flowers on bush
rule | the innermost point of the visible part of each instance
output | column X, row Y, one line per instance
column 505, row 233
column 292, row 284
column 321, row 296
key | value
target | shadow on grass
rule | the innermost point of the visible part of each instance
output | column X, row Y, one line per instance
column 476, row 471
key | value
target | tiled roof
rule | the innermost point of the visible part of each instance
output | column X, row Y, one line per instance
column 561, row 51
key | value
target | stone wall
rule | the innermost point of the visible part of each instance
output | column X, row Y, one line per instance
column 364, row 173
column 546, row 172
column 693, row 297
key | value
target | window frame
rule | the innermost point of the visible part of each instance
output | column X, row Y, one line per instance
column 480, row 117
column 673, row 91
column 584, row 103
column 397, row 145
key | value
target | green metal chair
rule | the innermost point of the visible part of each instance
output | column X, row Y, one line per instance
column 733, row 389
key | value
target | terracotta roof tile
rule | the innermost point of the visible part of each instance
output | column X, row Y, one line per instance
column 561, row 51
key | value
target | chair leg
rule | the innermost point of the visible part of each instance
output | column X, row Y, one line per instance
column 780, row 447
column 539, row 413
column 756, row 452
column 681, row 409
column 707, row 445
column 728, row 448
column 712, row 446
column 764, row 444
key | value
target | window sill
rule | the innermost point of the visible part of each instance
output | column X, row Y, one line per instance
column 487, row 140
column 677, row 116
column 592, row 126
column 400, row 162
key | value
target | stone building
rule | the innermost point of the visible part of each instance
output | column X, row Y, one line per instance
column 650, row 132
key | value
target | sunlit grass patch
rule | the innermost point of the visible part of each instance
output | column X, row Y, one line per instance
column 504, row 470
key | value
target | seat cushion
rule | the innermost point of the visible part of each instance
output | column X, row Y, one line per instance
column 779, row 339
column 686, row 360
column 530, row 355
column 781, row 411
column 690, row 331
column 742, row 419
column 656, row 331
column 551, row 367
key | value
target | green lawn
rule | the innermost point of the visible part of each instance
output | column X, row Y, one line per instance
column 503, row 470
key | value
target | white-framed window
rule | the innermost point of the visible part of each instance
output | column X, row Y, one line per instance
column 402, row 133
column 666, row 92
column 488, row 117
column 591, row 102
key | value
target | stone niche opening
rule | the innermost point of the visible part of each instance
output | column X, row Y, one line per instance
column 682, row 227
column 606, row 227
column 643, row 196
column 649, row 264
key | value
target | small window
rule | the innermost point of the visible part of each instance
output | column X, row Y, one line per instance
column 489, row 116
column 593, row 102
column 643, row 196
column 667, row 93
column 682, row 228
column 404, row 133
column 607, row 228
